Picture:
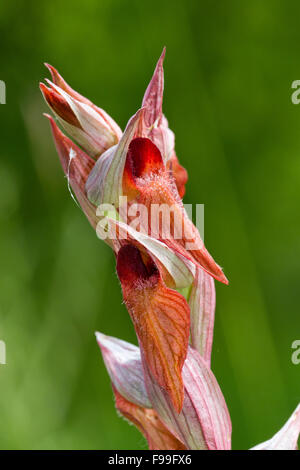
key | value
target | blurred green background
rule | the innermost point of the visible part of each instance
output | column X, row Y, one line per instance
column 228, row 70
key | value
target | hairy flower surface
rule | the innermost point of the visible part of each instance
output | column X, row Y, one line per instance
column 161, row 319
column 130, row 185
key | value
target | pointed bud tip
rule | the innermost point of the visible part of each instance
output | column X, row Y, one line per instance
column 219, row 277
column 48, row 116
column 49, row 82
column 52, row 70
column 43, row 88
column 48, row 94
column 52, row 122
column 104, row 342
column 131, row 268
column 58, row 103
column 99, row 337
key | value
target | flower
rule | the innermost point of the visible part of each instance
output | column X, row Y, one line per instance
column 163, row 331
column 152, row 266
column 91, row 127
column 204, row 421
column 149, row 423
column 165, row 386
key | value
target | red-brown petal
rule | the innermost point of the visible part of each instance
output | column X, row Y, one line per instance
column 161, row 319
column 59, row 105
column 177, row 232
column 179, row 173
column 147, row 181
column 148, row 422
column 143, row 158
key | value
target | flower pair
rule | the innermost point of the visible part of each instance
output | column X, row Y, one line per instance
column 166, row 386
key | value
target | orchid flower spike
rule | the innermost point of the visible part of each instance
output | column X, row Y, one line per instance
column 130, row 186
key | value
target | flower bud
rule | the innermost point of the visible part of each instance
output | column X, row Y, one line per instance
column 91, row 127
